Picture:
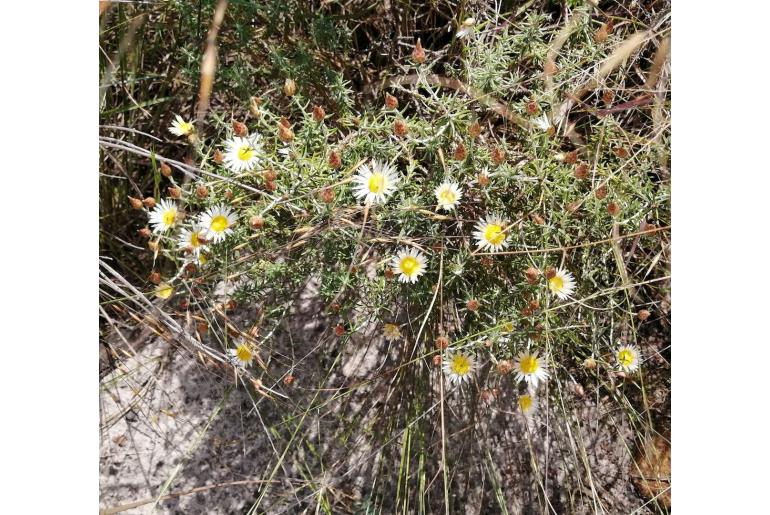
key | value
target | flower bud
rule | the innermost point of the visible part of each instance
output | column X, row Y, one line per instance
column 437, row 360
column 144, row 232
column 270, row 186
column 289, row 88
column 532, row 274
column 483, row 179
column 154, row 277
column 613, row 208
column 339, row 330
column 504, row 367
column 285, row 134
column 601, row 192
column 256, row 222
column 391, row 102
column 589, row 363
column 474, row 130
column 149, row 202
column 135, row 202
column 400, row 128
column 269, row 175
column 498, row 155
column 418, row 54
column 254, row 103
column 288, row 380
column 326, row 195
column 607, row 97
column 334, row 159
column 581, row 171
column 240, row 129
column 472, row 305
column 571, row 157
column 532, row 107
column 442, row 342
column 218, row 157
column 460, row 153
column 201, row 191
column 165, row 170
column 318, row 114
column 174, row 192
column 550, row 273
column 643, row 315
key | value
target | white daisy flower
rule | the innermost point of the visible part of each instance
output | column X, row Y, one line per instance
column 242, row 355
column 164, row 291
column 409, row 264
column 164, row 216
column 562, row 284
column 530, row 368
column 193, row 239
column 527, row 404
column 217, row 221
column 628, row 358
column 490, row 233
column 459, row 367
column 242, row 154
column 542, row 122
column 376, row 183
column 179, row 127
column 448, row 194
column 391, row 332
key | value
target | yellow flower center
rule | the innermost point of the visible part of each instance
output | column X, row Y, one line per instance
column 185, row 128
column 391, row 331
column 377, row 183
column 164, row 291
column 447, row 196
column 169, row 217
column 529, row 365
column 556, row 283
column 409, row 266
column 245, row 153
column 219, row 223
column 194, row 241
column 460, row 365
column 202, row 259
column 494, row 234
column 508, row 327
column 626, row 357
column 243, row 353
column 525, row 403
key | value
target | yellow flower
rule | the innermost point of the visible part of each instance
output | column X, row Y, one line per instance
column 164, row 291
column 459, row 367
column 628, row 357
column 490, row 233
column 408, row 264
column 180, row 127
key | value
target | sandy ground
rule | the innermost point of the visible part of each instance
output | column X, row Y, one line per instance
column 171, row 425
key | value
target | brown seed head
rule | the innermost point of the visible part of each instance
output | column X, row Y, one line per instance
column 165, row 170
column 418, row 54
column 537, row 219
column 203, row 327
column 472, row 305
column 135, row 202
column 149, row 202
column 228, row 194
column 144, row 232
column 534, row 304
column 289, row 88
column 589, row 363
column 288, row 380
column 608, row 96
column 571, row 157
column 240, row 129
column 318, row 114
column 254, row 103
column 643, row 315
column 550, row 273
column 613, row 208
column 601, row 34
column 154, row 277
column 218, row 157
column 201, row 191
column 460, row 153
column 339, row 330
column 335, row 307
column 285, row 134
column 391, row 102
column 270, row 186
column 572, row 207
column 483, row 179
column 498, row 155
column 389, row 274
column 621, row 152
column 437, row 360
column 532, row 107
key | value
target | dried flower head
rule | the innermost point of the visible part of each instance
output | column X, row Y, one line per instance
column 460, row 152
column 165, row 170
column 334, row 159
column 570, row 157
column 219, row 157
column 474, row 130
column 289, row 88
column 318, row 114
column 391, row 102
column 326, row 195
column 148, row 202
column 201, row 191
column 531, row 274
column 504, row 367
column 498, row 155
column 400, row 128
column 442, row 342
column 339, row 330
column 135, row 202
column 613, row 208
column 643, row 315
column 154, row 277
column 601, row 192
column 256, row 222
column 581, row 171
column 532, row 108
column 144, row 232
column 483, row 179
column 175, row 192
column 240, row 129
column 254, row 106
column 472, row 305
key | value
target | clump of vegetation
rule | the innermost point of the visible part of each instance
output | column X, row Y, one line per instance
column 496, row 208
